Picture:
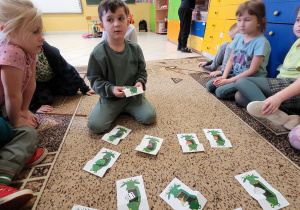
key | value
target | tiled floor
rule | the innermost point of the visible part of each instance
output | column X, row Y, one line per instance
column 76, row 50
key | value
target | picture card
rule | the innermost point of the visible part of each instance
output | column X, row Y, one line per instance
column 101, row 162
column 262, row 191
column 131, row 194
column 189, row 142
column 181, row 197
column 150, row 145
column 115, row 135
column 132, row 91
column 79, row 207
column 217, row 138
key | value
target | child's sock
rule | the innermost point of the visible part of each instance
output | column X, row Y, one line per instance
column 5, row 178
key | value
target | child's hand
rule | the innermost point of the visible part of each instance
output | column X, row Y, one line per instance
column 215, row 74
column 221, row 81
column 118, row 92
column 271, row 105
column 201, row 64
column 139, row 84
column 44, row 109
column 90, row 92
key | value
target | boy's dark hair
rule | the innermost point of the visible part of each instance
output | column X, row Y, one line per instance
column 233, row 27
column 257, row 8
column 298, row 10
column 111, row 5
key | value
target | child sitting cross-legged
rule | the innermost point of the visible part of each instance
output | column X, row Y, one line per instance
column 250, row 50
column 221, row 57
column 114, row 63
column 263, row 96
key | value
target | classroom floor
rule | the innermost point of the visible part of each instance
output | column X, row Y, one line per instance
column 76, row 50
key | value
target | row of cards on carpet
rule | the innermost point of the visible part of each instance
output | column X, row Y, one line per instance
column 131, row 194
column 188, row 141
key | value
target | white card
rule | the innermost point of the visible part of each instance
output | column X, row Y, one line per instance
column 79, row 207
column 115, row 135
column 131, row 194
column 189, row 142
column 262, row 191
column 101, row 162
column 216, row 138
column 150, row 145
column 132, row 91
column 180, row 196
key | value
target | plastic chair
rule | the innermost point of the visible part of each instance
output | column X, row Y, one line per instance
column 89, row 21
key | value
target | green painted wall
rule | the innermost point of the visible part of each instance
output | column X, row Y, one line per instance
column 152, row 17
column 173, row 9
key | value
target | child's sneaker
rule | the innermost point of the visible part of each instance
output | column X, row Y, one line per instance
column 38, row 156
column 11, row 198
column 278, row 117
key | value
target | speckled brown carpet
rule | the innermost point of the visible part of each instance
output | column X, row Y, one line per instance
column 182, row 106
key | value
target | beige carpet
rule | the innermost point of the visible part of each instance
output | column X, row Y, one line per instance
column 182, row 106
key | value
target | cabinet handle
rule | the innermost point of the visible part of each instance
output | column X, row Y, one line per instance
column 207, row 47
column 210, row 36
column 216, row 12
column 271, row 33
column 213, row 25
column 276, row 13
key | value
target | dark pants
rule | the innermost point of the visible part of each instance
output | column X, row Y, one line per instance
column 185, row 17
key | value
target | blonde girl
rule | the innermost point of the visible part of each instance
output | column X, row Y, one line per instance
column 250, row 53
column 20, row 41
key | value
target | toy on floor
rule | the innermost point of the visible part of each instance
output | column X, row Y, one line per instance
column 85, row 36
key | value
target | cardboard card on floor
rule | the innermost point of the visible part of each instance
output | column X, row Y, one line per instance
column 150, row 145
column 115, row 135
column 101, row 162
column 181, row 197
column 189, row 142
column 79, row 207
column 131, row 194
column 217, row 138
column 132, row 91
column 262, row 191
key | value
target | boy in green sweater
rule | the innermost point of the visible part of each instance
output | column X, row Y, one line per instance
column 115, row 63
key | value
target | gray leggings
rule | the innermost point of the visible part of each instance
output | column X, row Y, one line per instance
column 251, row 89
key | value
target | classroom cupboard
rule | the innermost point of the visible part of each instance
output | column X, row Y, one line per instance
column 281, row 16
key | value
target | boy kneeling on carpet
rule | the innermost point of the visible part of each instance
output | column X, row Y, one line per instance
column 115, row 63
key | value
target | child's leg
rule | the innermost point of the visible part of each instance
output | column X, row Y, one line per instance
column 210, row 86
column 253, row 89
column 104, row 113
column 141, row 109
column 15, row 154
column 226, row 91
column 226, row 56
column 218, row 58
column 6, row 131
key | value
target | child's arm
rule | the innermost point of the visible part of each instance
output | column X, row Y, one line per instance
column 27, row 96
column 255, row 63
column 141, row 75
column 12, row 79
column 222, row 80
column 272, row 103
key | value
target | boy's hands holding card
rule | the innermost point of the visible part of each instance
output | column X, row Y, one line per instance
column 118, row 91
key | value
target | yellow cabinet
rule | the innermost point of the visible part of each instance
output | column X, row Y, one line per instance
column 173, row 30
column 215, row 25
column 221, row 16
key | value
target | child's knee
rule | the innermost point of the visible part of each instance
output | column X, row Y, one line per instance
column 239, row 82
column 148, row 118
column 97, row 127
column 294, row 137
column 210, row 86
